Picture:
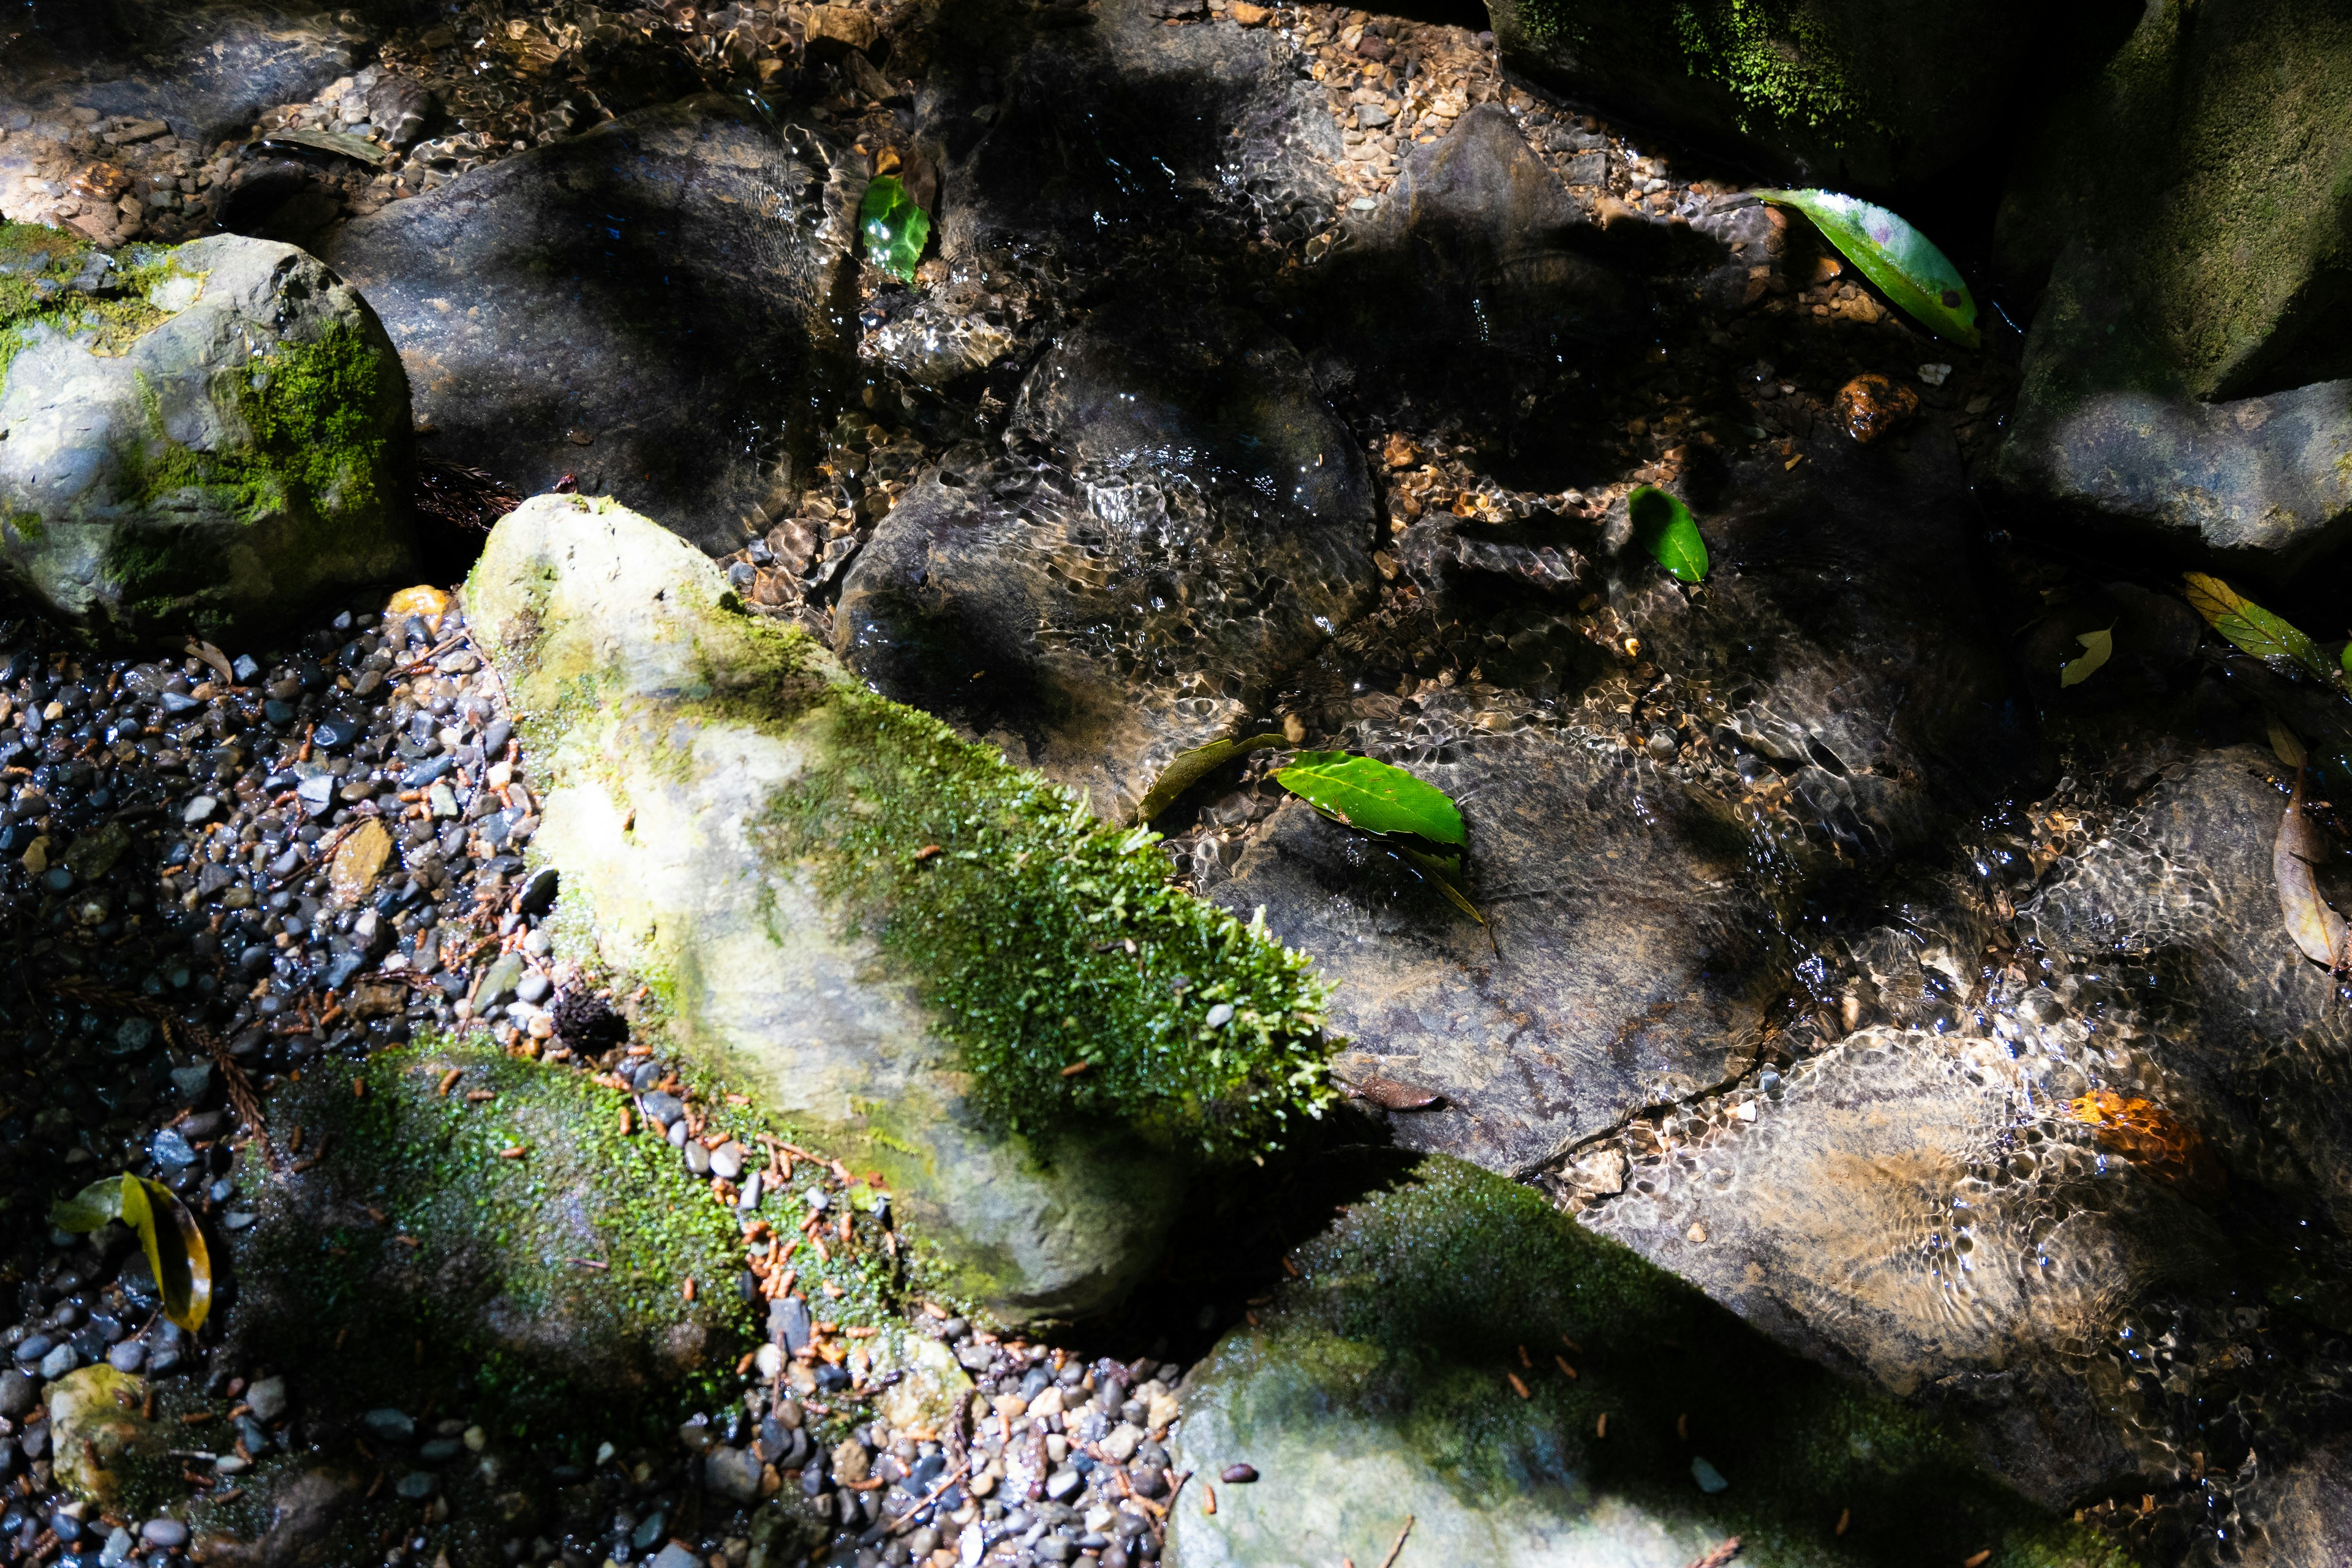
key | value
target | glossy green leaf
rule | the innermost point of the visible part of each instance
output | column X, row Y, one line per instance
column 1445, row 871
column 1189, row 768
column 2255, row 631
column 1901, row 260
column 1373, row 797
column 894, row 226
column 1666, row 528
column 173, row 1242
column 2097, row 648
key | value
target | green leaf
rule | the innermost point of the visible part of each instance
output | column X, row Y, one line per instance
column 2255, row 631
column 2097, row 648
column 1373, row 797
column 896, row 229
column 1445, row 871
column 1668, row 532
column 1901, row 260
column 1189, row 768
column 367, row 153
column 173, row 1242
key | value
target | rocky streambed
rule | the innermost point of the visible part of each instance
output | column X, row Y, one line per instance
column 661, row 1000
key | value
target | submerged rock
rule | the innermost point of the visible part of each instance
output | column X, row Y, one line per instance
column 2189, row 209
column 1199, row 522
column 638, row 306
column 907, row 947
column 1457, row 1354
column 216, row 434
column 103, row 1440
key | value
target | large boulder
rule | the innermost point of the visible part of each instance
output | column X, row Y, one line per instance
column 2191, row 210
column 915, row 952
column 1837, row 703
column 1458, row 1359
column 213, row 436
column 639, row 307
column 1844, row 94
column 1179, row 519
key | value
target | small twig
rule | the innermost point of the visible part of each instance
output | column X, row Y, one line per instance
column 937, row 1492
column 1398, row 1545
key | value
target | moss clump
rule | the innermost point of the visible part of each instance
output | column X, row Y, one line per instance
column 1073, row 978
column 1783, row 63
column 39, row 270
column 1412, row 1310
column 540, row 1290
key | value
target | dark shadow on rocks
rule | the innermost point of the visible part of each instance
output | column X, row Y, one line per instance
column 641, row 309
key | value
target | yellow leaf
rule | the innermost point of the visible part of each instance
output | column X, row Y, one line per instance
column 2097, row 648
column 2318, row 930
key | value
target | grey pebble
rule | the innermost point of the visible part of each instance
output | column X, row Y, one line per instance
column 18, row 1393
column 727, row 1160
column 698, row 1158
column 266, row 1398
column 164, row 1533
column 389, row 1424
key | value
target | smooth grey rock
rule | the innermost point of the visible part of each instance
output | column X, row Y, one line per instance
column 733, row 1473
column 818, row 1020
column 245, row 452
column 1203, row 522
column 634, row 305
column 268, row 1398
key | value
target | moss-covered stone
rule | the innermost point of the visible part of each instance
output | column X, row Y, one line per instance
column 1380, row 1386
column 1843, row 92
column 517, row 1256
column 901, row 941
column 2191, row 210
column 213, row 433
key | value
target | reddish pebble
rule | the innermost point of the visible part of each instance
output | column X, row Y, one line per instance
column 1240, row 1473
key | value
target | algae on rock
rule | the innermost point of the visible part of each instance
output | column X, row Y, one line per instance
column 923, row 957
column 211, row 435
column 549, row 1280
column 1380, row 1385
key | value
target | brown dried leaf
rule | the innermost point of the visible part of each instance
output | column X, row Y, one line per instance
column 2317, row 929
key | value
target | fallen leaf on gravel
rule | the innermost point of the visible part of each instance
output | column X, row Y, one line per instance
column 1894, row 256
column 166, row 1231
column 2301, row 848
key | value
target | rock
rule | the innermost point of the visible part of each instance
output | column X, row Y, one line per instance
column 1626, row 952
column 692, row 812
column 715, row 241
column 18, row 1393
column 1844, row 94
column 933, row 1386
column 1202, row 521
column 303, row 1507
column 266, row 1396
column 733, row 1473
column 358, row 860
column 144, row 484
column 2188, row 207
column 833, row 30
column 1377, row 1389
column 493, row 1281
column 96, row 1432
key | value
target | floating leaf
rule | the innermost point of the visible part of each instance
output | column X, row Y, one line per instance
column 1189, row 768
column 1901, row 260
column 1667, row 531
column 2286, row 745
column 2255, row 631
column 174, row 1244
column 896, row 227
column 367, row 153
column 2301, row 848
column 1445, row 871
column 2097, row 648
column 1373, row 797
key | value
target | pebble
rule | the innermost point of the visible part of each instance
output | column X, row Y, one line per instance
column 389, row 1424
column 167, row 1533
column 268, row 1399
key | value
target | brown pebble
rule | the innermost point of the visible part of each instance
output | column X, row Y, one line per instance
column 1870, row 406
column 1239, row 1474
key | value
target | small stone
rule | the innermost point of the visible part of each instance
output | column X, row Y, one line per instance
column 268, row 1399
column 539, row 893
column 1120, row 1443
column 1243, row 14
column 850, row 1461
column 128, row 1356
column 1934, row 374
column 733, row 1473
column 769, row 1360
column 164, row 1533
column 359, row 861
column 727, row 1160
column 698, row 1158
column 1870, row 406
column 59, row 1362
column 1698, row 1231
column 1240, row 1475
column 18, row 1395
column 416, row 1485
column 1220, row 1015
column 389, row 1424
column 676, row 1556
column 1710, row 1480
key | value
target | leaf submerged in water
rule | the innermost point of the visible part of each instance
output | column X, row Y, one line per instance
column 894, row 226
column 2301, row 850
column 1188, row 768
column 1666, row 530
column 2097, row 648
column 166, row 1230
column 1903, row 262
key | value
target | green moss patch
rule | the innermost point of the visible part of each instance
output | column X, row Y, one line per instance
column 1416, row 1310
column 543, row 1292
column 37, row 269
column 1073, row 978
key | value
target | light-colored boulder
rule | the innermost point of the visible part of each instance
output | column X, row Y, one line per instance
column 897, row 939
column 211, row 435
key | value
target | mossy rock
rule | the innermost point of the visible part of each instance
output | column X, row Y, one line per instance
column 541, row 1292
column 106, row 1444
column 919, row 955
column 2191, row 210
column 1378, row 1386
column 214, row 435
column 1852, row 94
